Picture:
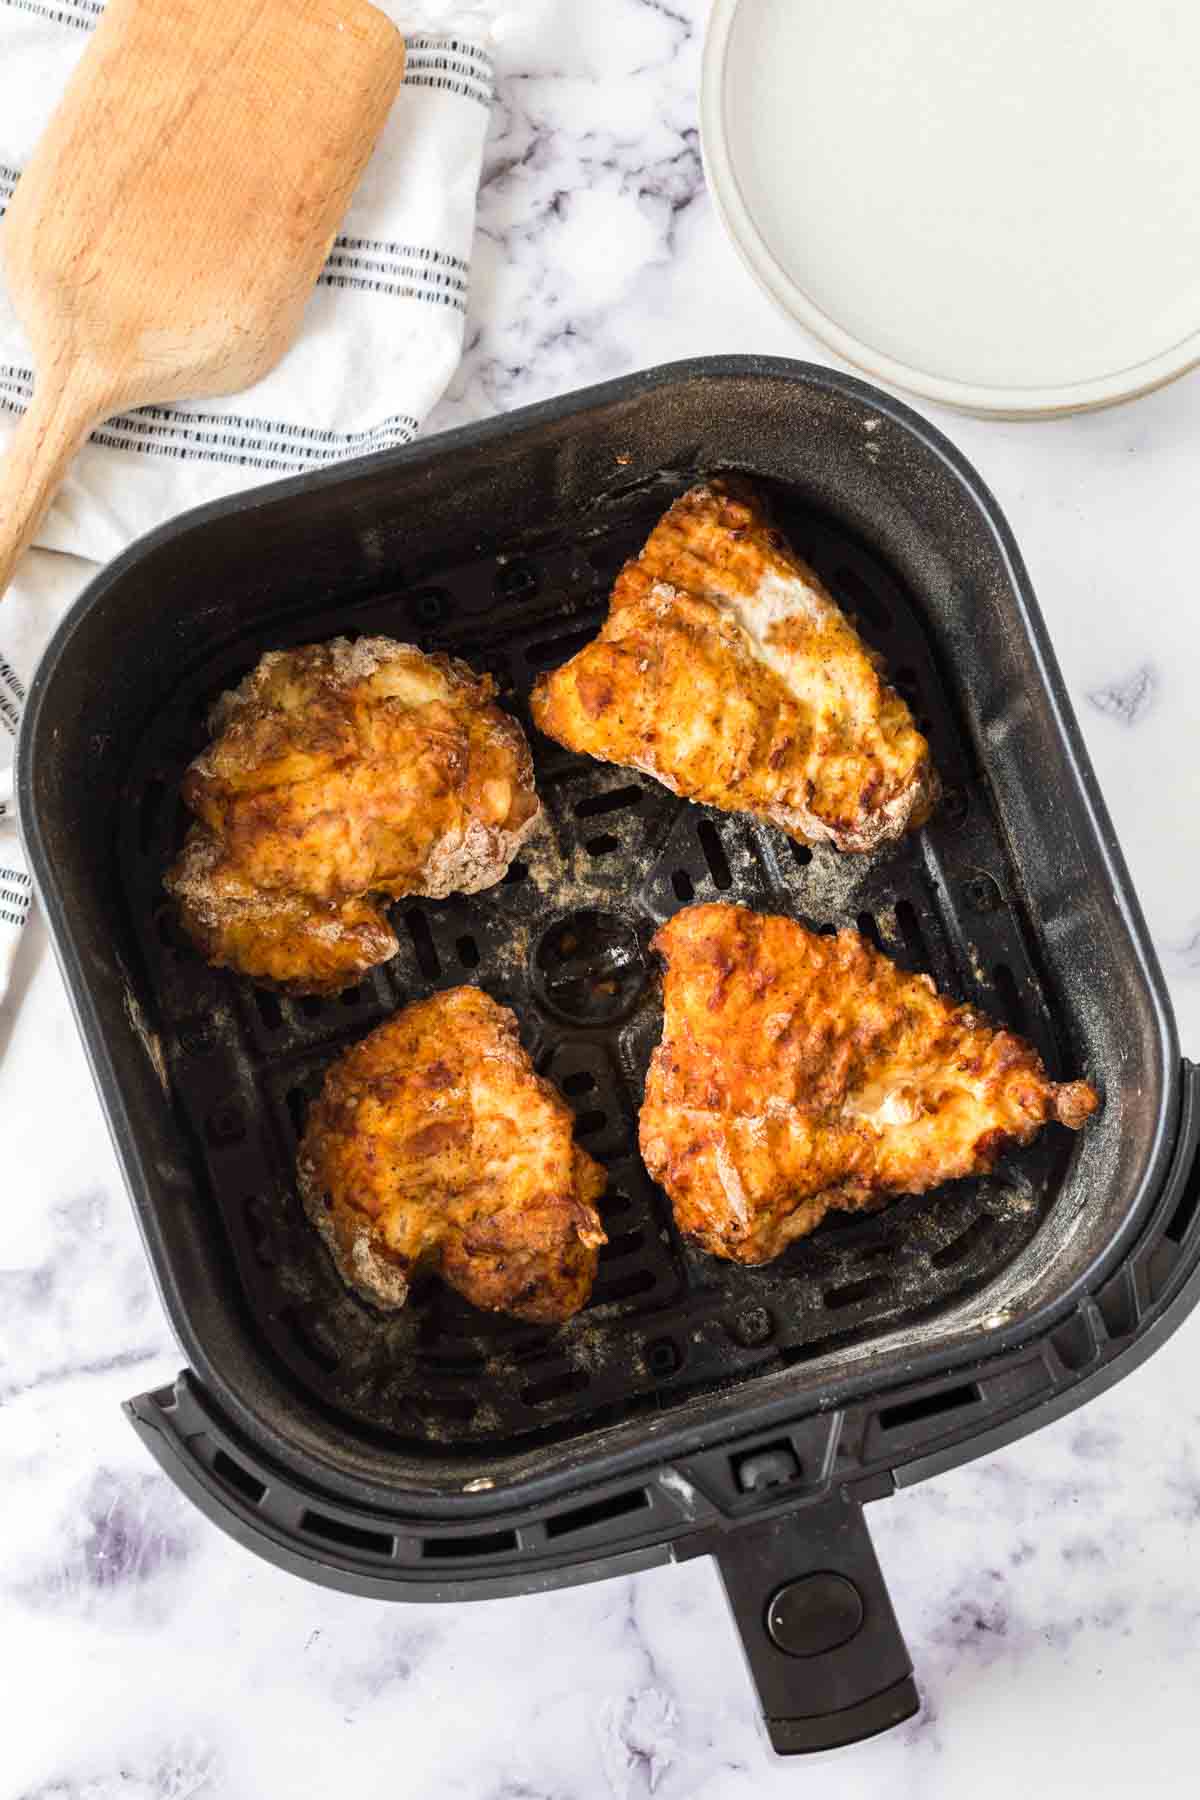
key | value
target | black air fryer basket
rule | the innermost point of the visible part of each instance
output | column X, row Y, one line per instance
column 694, row 1407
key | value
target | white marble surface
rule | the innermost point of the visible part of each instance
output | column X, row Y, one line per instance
column 1050, row 1594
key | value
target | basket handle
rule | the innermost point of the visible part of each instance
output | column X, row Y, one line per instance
column 825, row 1651
column 57, row 421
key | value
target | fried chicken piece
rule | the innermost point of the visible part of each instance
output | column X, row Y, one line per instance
column 434, row 1145
column 798, row 1073
column 340, row 775
column 726, row 671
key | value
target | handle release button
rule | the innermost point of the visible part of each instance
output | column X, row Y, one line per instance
column 815, row 1614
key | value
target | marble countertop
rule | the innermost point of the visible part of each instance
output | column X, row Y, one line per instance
column 1050, row 1594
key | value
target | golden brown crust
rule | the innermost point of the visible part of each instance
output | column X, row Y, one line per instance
column 798, row 1073
column 435, row 1145
column 726, row 670
column 341, row 775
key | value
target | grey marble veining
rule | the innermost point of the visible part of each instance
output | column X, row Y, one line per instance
column 1050, row 1594
column 1130, row 699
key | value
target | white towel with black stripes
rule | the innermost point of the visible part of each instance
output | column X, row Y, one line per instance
column 381, row 337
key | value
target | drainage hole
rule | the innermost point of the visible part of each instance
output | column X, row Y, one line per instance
column 714, row 855
column 910, row 931
column 468, row 952
column 422, row 942
column 297, row 1105
column 869, row 929
column 616, row 800
column 555, row 1387
column 581, row 1082
column 622, row 1287
column 961, row 1247
column 447, row 1400
column 890, row 1251
column 1010, row 996
column 684, row 887
column 801, row 854
column 663, row 1357
column 269, row 1009
column 854, row 1291
column 307, row 1342
column 954, row 808
column 604, row 845
column 452, row 1362
column 258, row 1225
column 516, row 873
column 622, row 1243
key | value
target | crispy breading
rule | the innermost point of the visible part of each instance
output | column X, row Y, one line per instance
column 340, row 775
column 799, row 1072
column 726, row 670
column 434, row 1145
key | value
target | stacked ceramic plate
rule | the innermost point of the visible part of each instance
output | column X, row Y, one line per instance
column 993, row 203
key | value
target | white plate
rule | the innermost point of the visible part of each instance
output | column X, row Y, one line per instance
column 994, row 203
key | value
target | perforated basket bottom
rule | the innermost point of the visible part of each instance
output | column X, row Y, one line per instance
column 564, row 941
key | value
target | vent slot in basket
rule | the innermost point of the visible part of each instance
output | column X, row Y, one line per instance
column 348, row 1537
column 247, row 1485
column 930, row 1406
column 599, row 1512
column 1180, row 1222
column 456, row 1549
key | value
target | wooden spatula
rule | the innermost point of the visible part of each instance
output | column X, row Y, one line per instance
column 166, row 235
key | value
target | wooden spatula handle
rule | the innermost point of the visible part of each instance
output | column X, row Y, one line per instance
column 58, row 419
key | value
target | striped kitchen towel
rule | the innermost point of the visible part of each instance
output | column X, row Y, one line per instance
column 44, row 587
column 381, row 337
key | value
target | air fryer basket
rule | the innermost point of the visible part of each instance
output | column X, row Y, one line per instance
column 693, row 1406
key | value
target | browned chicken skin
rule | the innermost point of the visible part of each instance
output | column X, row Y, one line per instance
column 341, row 775
column 434, row 1145
column 727, row 672
column 798, row 1073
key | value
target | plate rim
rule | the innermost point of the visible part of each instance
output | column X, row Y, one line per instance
column 987, row 400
